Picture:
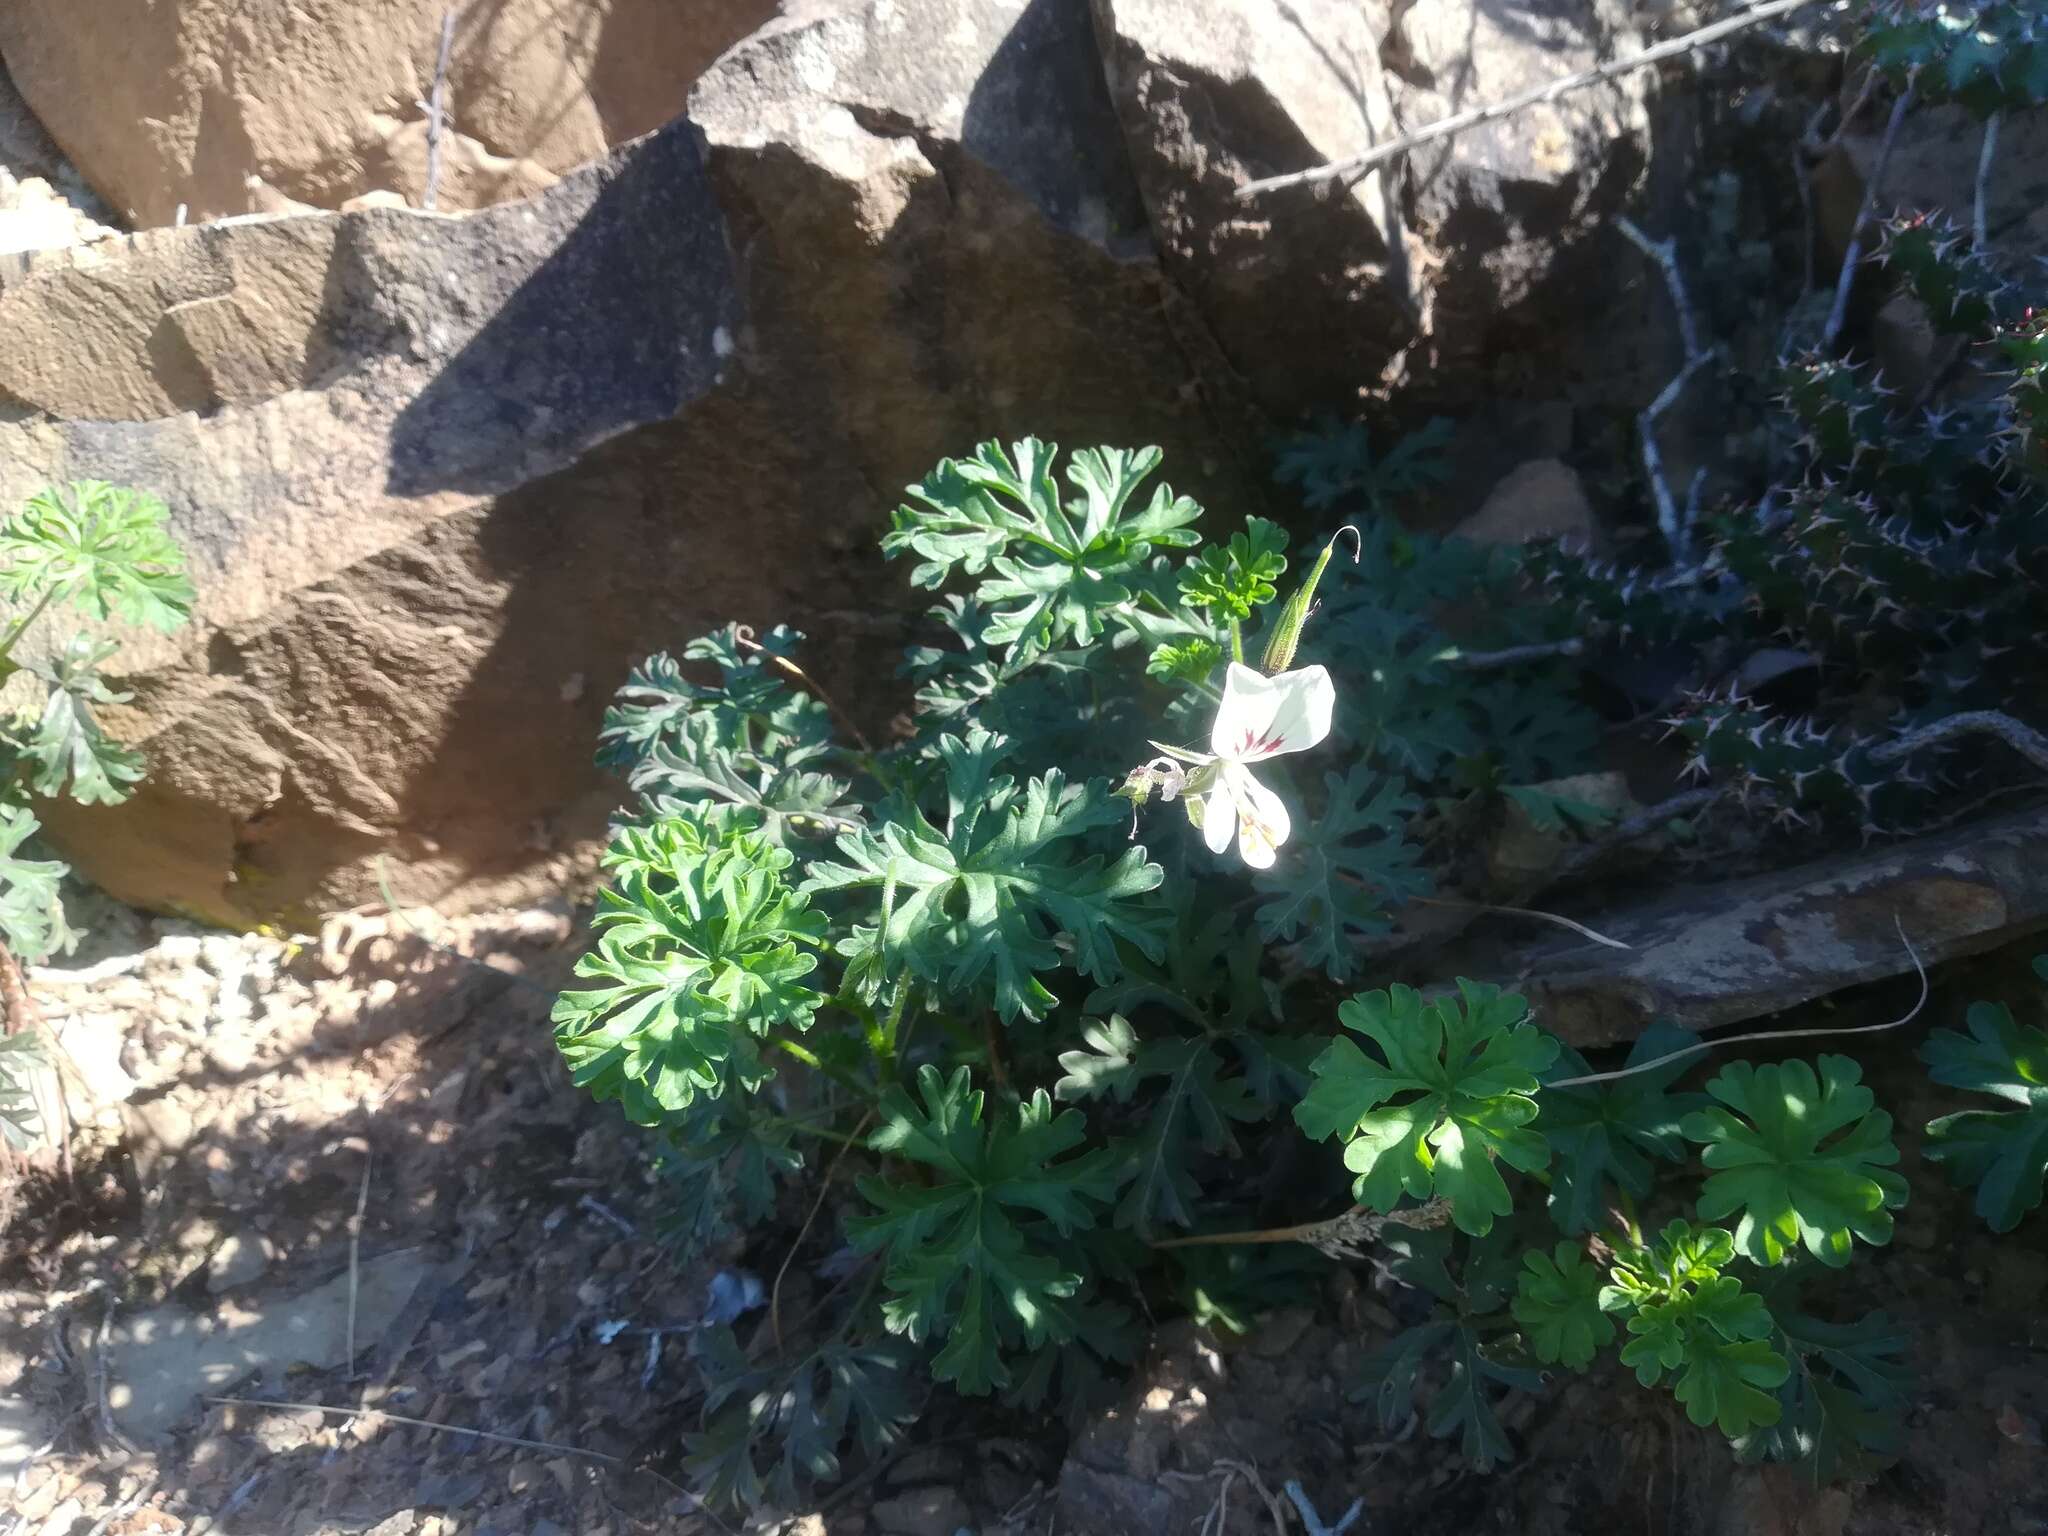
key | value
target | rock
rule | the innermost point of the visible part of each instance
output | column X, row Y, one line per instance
column 1524, row 851
column 1934, row 168
column 1312, row 292
column 1716, row 955
column 161, row 1360
column 1542, row 499
column 937, row 1511
column 319, row 103
column 240, row 1258
column 24, row 1430
column 431, row 469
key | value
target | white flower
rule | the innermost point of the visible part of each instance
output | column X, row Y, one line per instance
column 1260, row 718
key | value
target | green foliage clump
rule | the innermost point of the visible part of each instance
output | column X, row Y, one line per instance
column 105, row 553
column 1045, row 1047
column 2004, row 1153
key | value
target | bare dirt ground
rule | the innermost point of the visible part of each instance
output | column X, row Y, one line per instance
column 352, row 1173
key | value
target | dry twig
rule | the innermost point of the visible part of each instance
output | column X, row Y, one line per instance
column 1838, row 315
column 1980, row 229
column 436, row 106
column 824, row 1188
column 2023, row 739
column 1442, row 128
column 1765, row 1034
column 1675, row 524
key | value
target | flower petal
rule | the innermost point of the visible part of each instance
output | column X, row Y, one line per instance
column 1261, row 717
column 1219, row 817
column 1262, row 820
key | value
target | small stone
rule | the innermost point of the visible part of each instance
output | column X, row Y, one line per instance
column 400, row 1524
column 1541, row 499
column 240, row 1258
column 23, row 1429
column 935, row 1511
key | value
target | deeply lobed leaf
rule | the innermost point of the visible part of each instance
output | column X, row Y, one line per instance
column 1803, row 1159
column 1451, row 1091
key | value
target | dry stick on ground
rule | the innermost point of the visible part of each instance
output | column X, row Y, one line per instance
column 1674, row 524
column 1838, row 315
column 744, row 635
column 1514, row 655
column 1339, row 170
column 436, row 106
column 1765, row 1034
column 1980, row 228
column 355, row 1250
column 2023, row 739
column 824, row 1188
column 1540, row 916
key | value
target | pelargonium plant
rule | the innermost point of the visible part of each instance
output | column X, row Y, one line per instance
column 1054, row 1035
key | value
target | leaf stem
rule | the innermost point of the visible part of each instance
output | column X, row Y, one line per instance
column 811, row 1059
column 14, row 632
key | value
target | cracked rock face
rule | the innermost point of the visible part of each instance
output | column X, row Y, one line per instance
column 443, row 480
column 265, row 105
column 1420, row 269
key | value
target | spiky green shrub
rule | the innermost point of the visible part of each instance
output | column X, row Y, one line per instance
column 1905, row 549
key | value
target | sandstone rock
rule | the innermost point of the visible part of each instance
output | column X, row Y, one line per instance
column 444, row 479
column 1719, row 954
column 1311, row 291
column 303, row 96
column 1542, row 499
column 1934, row 167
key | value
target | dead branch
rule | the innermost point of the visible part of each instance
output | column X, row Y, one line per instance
column 437, row 106
column 2023, row 739
column 1838, row 315
column 1446, row 127
column 1673, row 521
column 1980, row 230
column 1704, row 1046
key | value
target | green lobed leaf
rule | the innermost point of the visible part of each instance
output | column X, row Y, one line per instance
column 1337, row 876
column 1558, row 1305
column 1056, row 569
column 32, row 921
column 1603, row 1135
column 791, row 1416
column 103, row 547
column 1005, row 892
column 1451, row 1092
column 1234, row 580
column 1804, row 1160
column 1714, row 1339
column 2004, row 1155
column 21, row 1056
column 700, row 939
column 68, row 747
column 971, row 1253
column 1841, row 1405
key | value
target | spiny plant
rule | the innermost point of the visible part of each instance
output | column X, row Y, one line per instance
column 104, row 553
column 1904, row 544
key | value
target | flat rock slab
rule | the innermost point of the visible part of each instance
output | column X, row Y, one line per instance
column 24, row 1429
column 162, row 1360
column 1716, row 955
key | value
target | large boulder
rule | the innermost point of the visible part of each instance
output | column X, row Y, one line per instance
column 444, row 478
column 238, row 108
column 1418, row 270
